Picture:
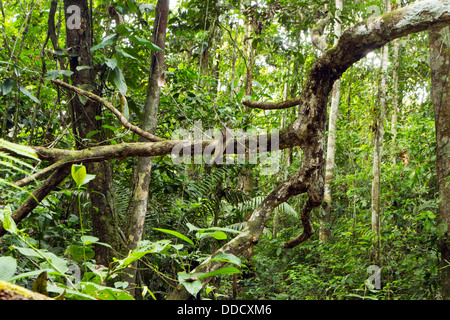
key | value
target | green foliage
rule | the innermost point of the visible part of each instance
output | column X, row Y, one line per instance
column 194, row 208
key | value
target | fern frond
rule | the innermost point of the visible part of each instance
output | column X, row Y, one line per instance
column 18, row 161
column 19, row 149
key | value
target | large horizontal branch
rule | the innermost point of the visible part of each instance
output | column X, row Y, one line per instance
column 272, row 105
column 245, row 145
column 146, row 135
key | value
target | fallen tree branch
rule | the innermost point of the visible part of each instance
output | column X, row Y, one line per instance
column 228, row 145
column 10, row 291
column 38, row 195
column 272, row 105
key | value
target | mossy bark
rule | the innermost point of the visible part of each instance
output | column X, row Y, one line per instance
column 148, row 124
column 79, row 41
column 10, row 291
column 440, row 92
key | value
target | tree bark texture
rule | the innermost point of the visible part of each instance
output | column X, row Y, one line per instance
column 325, row 220
column 440, row 92
column 395, row 97
column 79, row 43
column 148, row 123
column 378, row 149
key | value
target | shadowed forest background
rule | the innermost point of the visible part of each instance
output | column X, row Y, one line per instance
column 134, row 224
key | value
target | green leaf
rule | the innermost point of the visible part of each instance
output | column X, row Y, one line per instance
column 7, row 86
column 78, row 253
column 90, row 134
column 69, row 293
column 8, row 266
column 57, row 263
column 194, row 228
column 34, row 273
column 111, row 63
column 144, row 247
column 8, row 223
column 40, row 284
column 27, row 252
column 19, row 149
column 126, row 54
column 191, row 282
column 53, row 74
column 123, row 30
column 29, row 94
column 227, row 257
column 119, row 80
column 176, row 234
column 107, row 41
column 228, row 270
column 107, row 126
column 132, row 6
column 78, row 174
column 150, row 246
column 87, row 240
column 150, row 45
column 219, row 235
column 104, row 293
column 88, row 178
column 79, row 68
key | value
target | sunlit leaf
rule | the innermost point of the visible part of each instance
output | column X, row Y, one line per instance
column 8, row 267
column 191, row 282
column 53, row 74
column 7, row 86
column 29, row 94
column 176, row 234
column 119, row 80
column 107, row 41
column 228, row 270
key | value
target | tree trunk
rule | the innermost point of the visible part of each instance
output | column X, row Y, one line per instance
column 233, row 60
column 324, row 230
column 246, row 178
column 79, row 42
column 377, row 150
column 148, row 123
column 395, row 98
column 440, row 91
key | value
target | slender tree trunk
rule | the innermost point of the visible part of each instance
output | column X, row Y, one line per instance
column 79, row 42
column 440, row 91
column 148, row 123
column 233, row 60
column 246, row 178
column 395, row 98
column 377, row 150
column 324, row 230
